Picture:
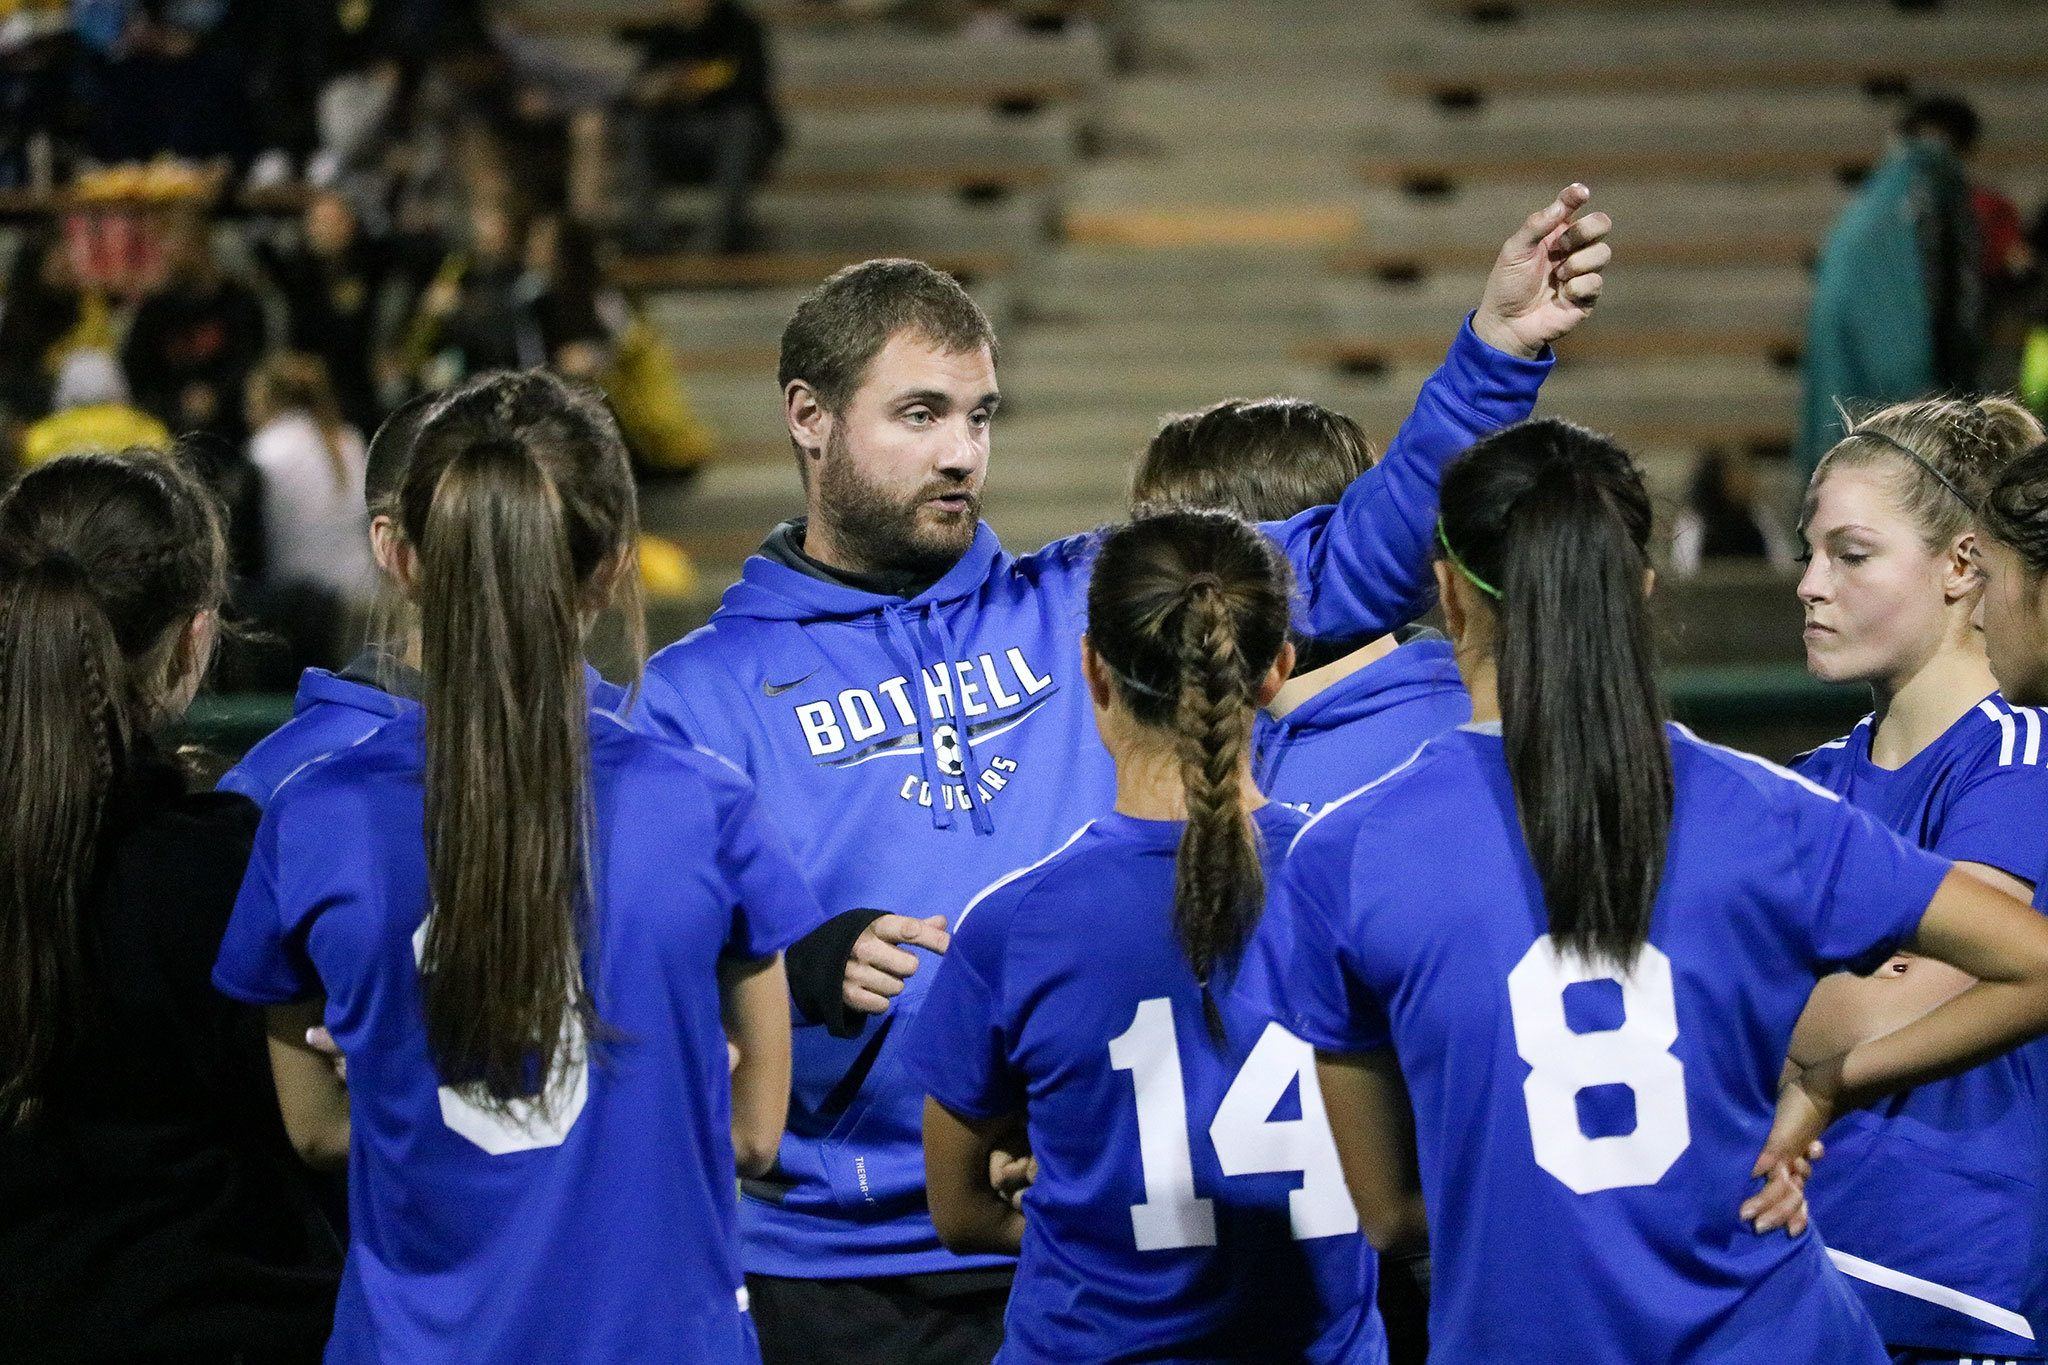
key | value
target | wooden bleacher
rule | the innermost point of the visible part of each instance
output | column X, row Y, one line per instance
column 1776, row 48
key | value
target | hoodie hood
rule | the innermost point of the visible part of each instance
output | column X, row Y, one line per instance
column 772, row 590
column 1360, row 727
column 318, row 687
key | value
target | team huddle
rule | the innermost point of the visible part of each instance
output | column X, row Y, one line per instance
column 1156, row 947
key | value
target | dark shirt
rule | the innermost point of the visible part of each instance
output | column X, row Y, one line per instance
column 155, row 1208
column 331, row 310
column 729, row 45
column 209, row 337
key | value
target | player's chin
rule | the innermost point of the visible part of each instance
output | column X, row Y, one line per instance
column 1827, row 663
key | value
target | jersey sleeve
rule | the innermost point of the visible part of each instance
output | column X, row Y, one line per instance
column 1866, row 887
column 773, row 905
column 263, row 958
column 659, row 710
column 1362, row 565
column 1299, row 970
column 1995, row 817
column 957, row 1047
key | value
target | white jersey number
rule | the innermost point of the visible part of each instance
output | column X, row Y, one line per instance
column 1247, row 1139
column 525, row 1125
column 1562, row 1062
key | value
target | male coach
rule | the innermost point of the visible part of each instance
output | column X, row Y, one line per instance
column 908, row 699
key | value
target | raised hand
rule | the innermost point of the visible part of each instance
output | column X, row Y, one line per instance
column 1547, row 277
column 880, row 964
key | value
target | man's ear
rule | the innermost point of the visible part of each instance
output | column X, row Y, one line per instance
column 810, row 425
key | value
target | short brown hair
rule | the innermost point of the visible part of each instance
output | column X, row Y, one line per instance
column 1264, row 459
column 841, row 326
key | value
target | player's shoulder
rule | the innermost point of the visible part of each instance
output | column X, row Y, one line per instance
column 1822, row 760
column 1427, row 788
column 352, row 772
column 1996, row 737
column 993, row 908
column 1737, row 786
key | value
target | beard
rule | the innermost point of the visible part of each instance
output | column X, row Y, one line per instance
column 889, row 532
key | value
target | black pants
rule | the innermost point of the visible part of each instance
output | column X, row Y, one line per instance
column 954, row 1318
column 1404, row 1306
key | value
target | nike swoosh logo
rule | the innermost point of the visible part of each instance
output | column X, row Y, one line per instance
column 777, row 689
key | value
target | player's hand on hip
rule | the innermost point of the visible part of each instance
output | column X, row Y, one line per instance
column 322, row 1042
column 1547, row 277
column 882, row 961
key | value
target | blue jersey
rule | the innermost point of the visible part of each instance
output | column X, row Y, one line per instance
column 332, row 711
column 1361, row 727
column 1189, row 1205
column 1925, row 1197
column 604, row 1230
column 2037, row 1261
column 1585, row 1134
column 917, row 749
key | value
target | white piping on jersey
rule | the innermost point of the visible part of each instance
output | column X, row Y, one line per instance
column 1313, row 819
column 1774, row 769
column 2033, row 720
column 316, row 758
column 1008, row 877
column 1927, row 1291
column 2020, row 730
column 2006, row 728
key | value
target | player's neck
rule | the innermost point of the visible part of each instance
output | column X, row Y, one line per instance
column 1916, row 709
column 1149, row 785
column 1305, row 687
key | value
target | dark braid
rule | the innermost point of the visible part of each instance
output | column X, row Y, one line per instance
column 1189, row 611
column 2015, row 511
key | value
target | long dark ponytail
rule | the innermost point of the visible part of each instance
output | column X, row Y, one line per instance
column 519, row 503
column 104, row 560
column 1555, row 518
column 1189, row 611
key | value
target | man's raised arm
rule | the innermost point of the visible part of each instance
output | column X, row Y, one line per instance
column 1362, row 565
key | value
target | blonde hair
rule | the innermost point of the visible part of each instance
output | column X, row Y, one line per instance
column 1942, row 455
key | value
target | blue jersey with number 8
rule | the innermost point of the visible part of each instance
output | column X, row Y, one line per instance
column 1189, row 1206
column 1585, row 1134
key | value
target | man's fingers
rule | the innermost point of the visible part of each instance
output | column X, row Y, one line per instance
column 1585, row 261
column 1584, row 289
column 882, row 957
column 1544, row 221
column 1592, row 228
column 924, row 933
column 861, row 977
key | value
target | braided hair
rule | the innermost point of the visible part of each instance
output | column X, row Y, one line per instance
column 2015, row 511
column 104, row 560
column 1189, row 611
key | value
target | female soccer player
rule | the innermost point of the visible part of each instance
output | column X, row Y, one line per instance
column 524, row 921
column 1188, row 1203
column 1556, row 959
column 152, row 1210
column 1890, row 595
column 2012, row 552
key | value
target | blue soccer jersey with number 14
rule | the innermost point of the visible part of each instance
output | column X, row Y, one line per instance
column 1189, row 1206
column 603, row 1230
column 1585, row 1135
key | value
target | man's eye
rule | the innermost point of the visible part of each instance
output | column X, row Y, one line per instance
column 981, row 419
column 918, row 417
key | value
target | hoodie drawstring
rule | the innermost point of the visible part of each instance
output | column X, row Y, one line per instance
column 970, row 767
column 913, row 650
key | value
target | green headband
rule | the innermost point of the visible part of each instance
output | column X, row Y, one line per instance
column 1474, row 579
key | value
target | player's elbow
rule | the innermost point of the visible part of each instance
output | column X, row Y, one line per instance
column 1393, row 1221
column 964, row 1224
column 322, row 1146
column 754, row 1148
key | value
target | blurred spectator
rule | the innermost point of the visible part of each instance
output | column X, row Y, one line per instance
column 195, row 339
column 1896, row 314
column 332, row 282
column 1725, row 519
column 315, row 528
column 163, row 76
column 580, row 325
column 92, row 412
column 48, row 316
column 35, row 52
column 705, row 114
column 468, row 318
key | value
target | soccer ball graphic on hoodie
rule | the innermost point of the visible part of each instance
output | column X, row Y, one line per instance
column 946, row 748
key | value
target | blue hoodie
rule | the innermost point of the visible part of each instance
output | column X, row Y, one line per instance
column 1360, row 728
column 335, row 710
column 917, row 749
